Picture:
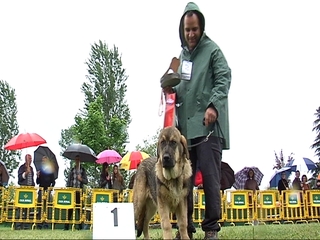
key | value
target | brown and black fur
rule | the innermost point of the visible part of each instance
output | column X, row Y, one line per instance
column 162, row 184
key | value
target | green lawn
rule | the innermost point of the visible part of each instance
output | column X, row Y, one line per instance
column 283, row 231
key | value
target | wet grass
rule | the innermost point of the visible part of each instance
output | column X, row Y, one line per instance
column 283, row 231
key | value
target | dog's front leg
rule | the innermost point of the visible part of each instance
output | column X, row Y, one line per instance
column 164, row 213
column 182, row 219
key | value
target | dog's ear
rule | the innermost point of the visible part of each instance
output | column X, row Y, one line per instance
column 158, row 147
column 185, row 146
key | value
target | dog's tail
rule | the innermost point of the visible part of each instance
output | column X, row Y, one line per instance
column 140, row 221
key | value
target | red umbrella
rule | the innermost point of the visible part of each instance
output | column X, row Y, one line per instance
column 24, row 140
column 132, row 159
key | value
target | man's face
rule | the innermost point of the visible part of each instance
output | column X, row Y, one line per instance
column 297, row 174
column 28, row 159
column 192, row 31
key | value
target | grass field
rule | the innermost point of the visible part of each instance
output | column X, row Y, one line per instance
column 284, row 231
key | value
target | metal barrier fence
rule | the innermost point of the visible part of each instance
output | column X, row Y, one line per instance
column 33, row 206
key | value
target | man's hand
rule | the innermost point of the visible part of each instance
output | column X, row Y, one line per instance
column 38, row 173
column 79, row 177
column 167, row 90
column 210, row 116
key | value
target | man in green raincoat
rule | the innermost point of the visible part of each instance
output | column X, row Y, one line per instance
column 202, row 111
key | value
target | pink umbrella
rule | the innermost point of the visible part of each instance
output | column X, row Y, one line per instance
column 108, row 156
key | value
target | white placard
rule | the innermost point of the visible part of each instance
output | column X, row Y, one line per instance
column 113, row 221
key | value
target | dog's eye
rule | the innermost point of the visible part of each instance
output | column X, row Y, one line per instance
column 163, row 142
column 173, row 142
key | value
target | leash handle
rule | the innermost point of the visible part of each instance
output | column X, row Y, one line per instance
column 160, row 110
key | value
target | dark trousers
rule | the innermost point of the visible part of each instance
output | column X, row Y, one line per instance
column 39, row 215
column 207, row 156
column 70, row 212
column 24, row 216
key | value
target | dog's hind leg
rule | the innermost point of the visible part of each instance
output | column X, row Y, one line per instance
column 181, row 213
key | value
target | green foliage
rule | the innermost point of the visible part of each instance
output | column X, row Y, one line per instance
column 270, row 231
column 8, row 125
column 316, row 129
column 67, row 137
column 150, row 145
column 104, row 120
column 280, row 162
column 316, row 144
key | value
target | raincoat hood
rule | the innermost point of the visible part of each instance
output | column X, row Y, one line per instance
column 191, row 6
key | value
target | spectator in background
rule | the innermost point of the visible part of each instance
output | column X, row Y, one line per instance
column 76, row 179
column 45, row 179
column 105, row 177
column 304, row 185
column 25, row 178
column 251, row 183
column 296, row 184
column 117, row 182
column 317, row 186
column 283, row 183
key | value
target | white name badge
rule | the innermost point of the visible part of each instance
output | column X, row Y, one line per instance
column 113, row 221
column 186, row 70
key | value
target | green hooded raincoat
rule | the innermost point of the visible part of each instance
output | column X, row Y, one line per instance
column 209, row 85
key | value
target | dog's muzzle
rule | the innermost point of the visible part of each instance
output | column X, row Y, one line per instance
column 167, row 161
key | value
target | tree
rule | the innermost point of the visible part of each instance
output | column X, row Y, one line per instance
column 280, row 163
column 316, row 144
column 91, row 130
column 68, row 137
column 316, row 128
column 8, row 125
column 103, row 122
column 149, row 145
column 107, row 79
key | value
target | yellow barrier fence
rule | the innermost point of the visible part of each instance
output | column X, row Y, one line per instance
column 97, row 195
column 65, row 207
column 240, row 208
column 32, row 206
column 23, row 206
column 293, row 206
column 268, row 206
column 313, row 205
column 2, row 204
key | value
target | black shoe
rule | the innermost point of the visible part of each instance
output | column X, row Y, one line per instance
column 211, row 235
column 66, row 229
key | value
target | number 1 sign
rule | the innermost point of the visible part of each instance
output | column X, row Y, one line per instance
column 113, row 221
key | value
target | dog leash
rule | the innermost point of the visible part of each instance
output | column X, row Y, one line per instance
column 203, row 141
column 209, row 134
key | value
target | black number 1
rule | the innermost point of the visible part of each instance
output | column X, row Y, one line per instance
column 115, row 217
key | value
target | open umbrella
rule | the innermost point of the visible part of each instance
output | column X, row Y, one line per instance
column 85, row 153
column 108, row 156
column 227, row 176
column 298, row 162
column 50, row 166
column 277, row 175
column 24, row 140
column 242, row 176
column 4, row 174
column 132, row 159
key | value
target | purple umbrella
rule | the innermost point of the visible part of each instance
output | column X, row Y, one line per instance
column 108, row 156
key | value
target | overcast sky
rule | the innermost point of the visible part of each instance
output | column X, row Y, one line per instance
column 272, row 48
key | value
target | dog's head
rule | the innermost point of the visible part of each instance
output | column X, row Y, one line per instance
column 172, row 149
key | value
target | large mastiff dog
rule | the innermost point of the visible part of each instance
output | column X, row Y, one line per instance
column 162, row 184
